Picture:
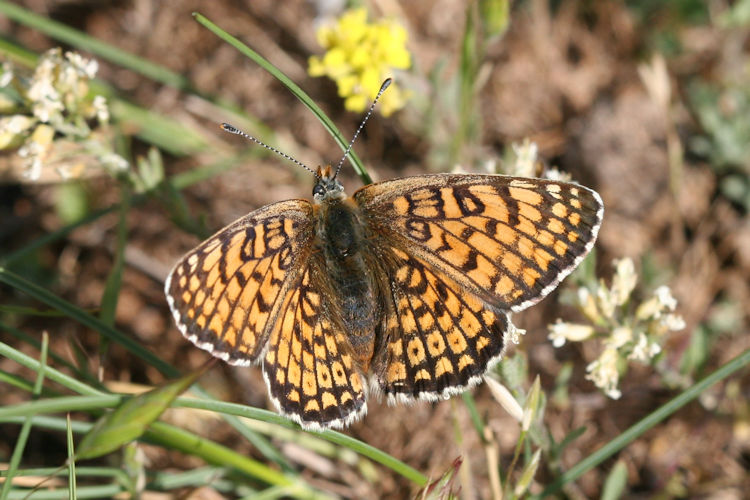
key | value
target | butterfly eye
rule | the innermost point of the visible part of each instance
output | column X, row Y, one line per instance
column 318, row 190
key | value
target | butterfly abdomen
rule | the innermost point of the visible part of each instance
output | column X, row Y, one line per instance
column 340, row 237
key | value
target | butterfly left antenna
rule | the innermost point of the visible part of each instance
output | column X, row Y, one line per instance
column 361, row 125
column 233, row 130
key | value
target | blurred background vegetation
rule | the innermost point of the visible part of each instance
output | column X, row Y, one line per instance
column 112, row 165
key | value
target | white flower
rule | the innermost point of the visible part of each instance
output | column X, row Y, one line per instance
column 606, row 301
column 603, row 373
column 85, row 67
column 32, row 151
column 526, row 156
column 644, row 350
column 555, row 174
column 588, row 304
column 514, row 332
column 114, row 162
column 102, row 110
column 561, row 332
column 46, row 100
column 655, row 307
column 665, row 298
column 624, row 280
column 673, row 322
column 15, row 124
column 620, row 336
column 7, row 74
column 490, row 166
column 653, row 349
column 640, row 351
column 33, row 169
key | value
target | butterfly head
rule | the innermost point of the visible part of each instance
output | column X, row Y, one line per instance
column 326, row 185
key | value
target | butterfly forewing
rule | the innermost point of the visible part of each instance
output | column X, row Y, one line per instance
column 507, row 240
column 225, row 295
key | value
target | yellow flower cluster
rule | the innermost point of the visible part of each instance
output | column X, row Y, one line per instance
column 359, row 56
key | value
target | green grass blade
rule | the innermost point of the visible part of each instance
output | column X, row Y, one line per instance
column 23, row 436
column 220, row 455
column 293, row 88
column 353, row 444
column 616, row 482
column 71, row 36
column 86, row 319
column 266, row 448
column 263, row 446
column 15, row 381
column 29, row 340
column 476, row 419
column 18, row 55
column 114, row 281
column 159, row 433
column 645, row 424
column 108, row 472
column 161, row 131
column 60, row 405
column 195, row 175
column 50, row 373
column 50, row 423
column 133, row 417
column 98, row 492
column 71, row 461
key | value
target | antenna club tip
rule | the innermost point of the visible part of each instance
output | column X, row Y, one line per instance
column 229, row 128
column 386, row 83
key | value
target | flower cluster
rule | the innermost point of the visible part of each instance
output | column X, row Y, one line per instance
column 360, row 56
column 629, row 331
column 55, row 102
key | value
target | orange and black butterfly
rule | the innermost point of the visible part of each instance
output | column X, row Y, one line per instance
column 403, row 288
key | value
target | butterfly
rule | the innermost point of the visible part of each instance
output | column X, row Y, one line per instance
column 403, row 289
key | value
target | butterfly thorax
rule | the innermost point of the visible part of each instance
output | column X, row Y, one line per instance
column 339, row 237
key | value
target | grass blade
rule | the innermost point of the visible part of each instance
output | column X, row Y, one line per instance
column 293, row 88
column 26, row 427
column 64, row 33
column 133, row 417
column 353, row 444
column 86, row 319
column 645, row 424
column 71, row 461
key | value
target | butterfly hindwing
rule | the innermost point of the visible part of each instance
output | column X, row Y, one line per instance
column 508, row 240
column 438, row 340
column 310, row 372
column 226, row 293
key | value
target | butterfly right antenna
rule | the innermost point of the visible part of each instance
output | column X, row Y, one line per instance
column 361, row 125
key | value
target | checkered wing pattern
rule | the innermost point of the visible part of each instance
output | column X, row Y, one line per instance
column 506, row 239
column 310, row 371
column 227, row 293
column 439, row 340
column 461, row 251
